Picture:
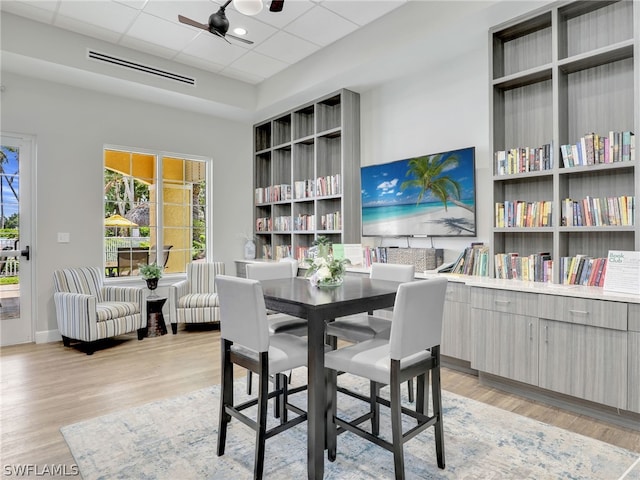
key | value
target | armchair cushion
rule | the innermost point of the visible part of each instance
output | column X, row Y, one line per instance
column 194, row 300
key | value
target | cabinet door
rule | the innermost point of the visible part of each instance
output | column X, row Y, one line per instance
column 505, row 344
column 456, row 331
column 633, row 384
column 585, row 362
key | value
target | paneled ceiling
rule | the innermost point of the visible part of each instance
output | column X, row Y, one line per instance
column 280, row 39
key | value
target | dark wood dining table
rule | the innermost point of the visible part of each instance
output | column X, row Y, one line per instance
column 296, row 296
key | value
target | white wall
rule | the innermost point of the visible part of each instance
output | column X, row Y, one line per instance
column 71, row 126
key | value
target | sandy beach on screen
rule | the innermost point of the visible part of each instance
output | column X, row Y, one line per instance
column 453, row 221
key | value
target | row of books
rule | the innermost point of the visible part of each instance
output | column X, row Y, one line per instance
column 373, row 255
column 595, row 211
column 304, row 222
column 282, row 223
column 331, row 221
column 273, row 193
column 583, row 270
column 537, row 267
column 593, row 149
column 474, row 260
column 519, row 213
column 319, row 187
column 524, row 159
column 280, row 251
column 263, row 224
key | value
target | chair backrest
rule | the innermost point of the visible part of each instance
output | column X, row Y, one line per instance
column 85, row 280
column 269, row 271
column 153, row 254
column 129, row 259
column 392, row 271
column 294, row 264
column 243, row 315
column 202, row 276
column 417, row 317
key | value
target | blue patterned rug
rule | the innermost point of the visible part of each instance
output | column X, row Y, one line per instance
column 176, row 438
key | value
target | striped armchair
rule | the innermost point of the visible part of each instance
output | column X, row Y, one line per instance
column 89, row 311
column 195, row 300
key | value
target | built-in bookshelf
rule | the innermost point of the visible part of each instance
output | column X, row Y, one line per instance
column 303, row 159
column 565, row 91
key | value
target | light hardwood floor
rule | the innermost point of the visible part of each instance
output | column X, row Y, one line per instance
column 47, row 386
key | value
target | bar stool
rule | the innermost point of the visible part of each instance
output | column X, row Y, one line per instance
column 411, row 350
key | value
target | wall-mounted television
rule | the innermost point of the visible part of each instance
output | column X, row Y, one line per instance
column 432, row 195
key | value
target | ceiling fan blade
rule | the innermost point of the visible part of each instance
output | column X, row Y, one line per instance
column 222, row 36
column 239, row 39
column 276, row 5
column 193, row 23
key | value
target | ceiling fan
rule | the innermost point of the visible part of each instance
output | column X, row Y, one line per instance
column 219, row 24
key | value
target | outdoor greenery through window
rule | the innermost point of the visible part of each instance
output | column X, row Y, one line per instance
column 153, row 199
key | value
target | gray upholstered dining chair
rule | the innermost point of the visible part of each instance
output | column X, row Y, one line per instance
column 247, row 342
column 365, row 327
column 412, row 349
column 278, row 322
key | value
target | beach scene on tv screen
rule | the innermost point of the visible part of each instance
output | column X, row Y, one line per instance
column 430, row 195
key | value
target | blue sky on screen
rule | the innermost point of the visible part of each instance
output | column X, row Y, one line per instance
column 10, row 174
column 381, row 183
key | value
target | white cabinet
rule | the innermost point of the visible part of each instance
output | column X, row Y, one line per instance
column 505, row 334
column 456, row 326
column 633, row 343
column 585, row 362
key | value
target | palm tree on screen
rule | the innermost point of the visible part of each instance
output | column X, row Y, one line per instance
column 429, row 174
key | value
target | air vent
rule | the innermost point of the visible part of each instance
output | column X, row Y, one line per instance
column 103, row 57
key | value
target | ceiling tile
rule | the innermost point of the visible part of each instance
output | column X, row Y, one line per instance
column 258, row 64
column 208, row 47
column 320, row 26
column 109, row 15
column 292, row 9
column 162, row 32
column 361, row 11
column 286, row 47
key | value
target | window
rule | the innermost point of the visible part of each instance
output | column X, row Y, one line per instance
column 151, row 199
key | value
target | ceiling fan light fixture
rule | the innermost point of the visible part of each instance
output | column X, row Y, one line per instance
column 240, row 31
column 248, row 7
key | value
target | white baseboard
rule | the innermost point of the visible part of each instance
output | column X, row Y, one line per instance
column 48, row 336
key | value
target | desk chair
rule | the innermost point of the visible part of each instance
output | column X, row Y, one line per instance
column 247, row 342
column 365, row 327
column 411, row 350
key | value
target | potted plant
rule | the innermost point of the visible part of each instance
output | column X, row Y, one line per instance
column 151, row 273
column 324, row 245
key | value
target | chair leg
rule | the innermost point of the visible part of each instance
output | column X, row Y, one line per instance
column 174, row 328
column 283, row 413
column 410, row 390
column 66, row 341
column 374, row 390
column 437, row 412
column 261, row 421
column 277, row 402
column 396, row 422
column 142, row 332
column 332, row 398
column 249, row 380
column 226, row 394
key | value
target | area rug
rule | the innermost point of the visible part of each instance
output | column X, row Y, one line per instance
column 176, row 438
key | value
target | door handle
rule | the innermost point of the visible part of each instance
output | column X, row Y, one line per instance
column 25, row 252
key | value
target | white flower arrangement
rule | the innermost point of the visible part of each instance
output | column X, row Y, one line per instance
column 325, row 271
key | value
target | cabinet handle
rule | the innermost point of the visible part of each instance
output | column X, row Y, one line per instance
column 502, row 302
column 579, row 312
column 546, row 334
column 530, row 330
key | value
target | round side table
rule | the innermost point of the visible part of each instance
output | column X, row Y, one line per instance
column 155, row 319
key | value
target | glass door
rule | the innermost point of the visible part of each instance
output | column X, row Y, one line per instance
column 16, row 165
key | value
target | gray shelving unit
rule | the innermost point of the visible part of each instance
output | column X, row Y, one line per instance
column 320, row 139
column 558, row 74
